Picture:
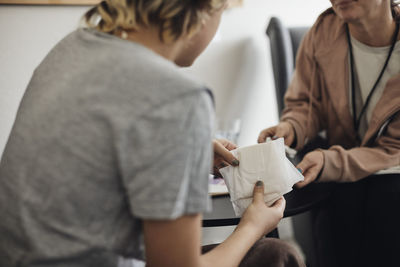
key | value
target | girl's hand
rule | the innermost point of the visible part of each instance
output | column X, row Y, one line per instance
column 258, row 216
column 222, row 155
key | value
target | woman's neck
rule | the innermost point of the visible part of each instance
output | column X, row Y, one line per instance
column 375, row 32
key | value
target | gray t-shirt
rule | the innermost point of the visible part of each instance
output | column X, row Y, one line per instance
column 108, row 133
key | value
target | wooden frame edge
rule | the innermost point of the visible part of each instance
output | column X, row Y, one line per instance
column 50, row 2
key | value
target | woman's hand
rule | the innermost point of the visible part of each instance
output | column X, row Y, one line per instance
column 222, row 155
column 258, row 216
column 283, row 129
column 310, row 167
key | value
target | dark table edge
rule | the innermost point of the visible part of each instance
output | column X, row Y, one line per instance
column 235, row 221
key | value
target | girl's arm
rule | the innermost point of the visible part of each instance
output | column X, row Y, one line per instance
column 177, row 243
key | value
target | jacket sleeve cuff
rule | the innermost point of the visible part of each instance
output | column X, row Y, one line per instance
column 332, row 170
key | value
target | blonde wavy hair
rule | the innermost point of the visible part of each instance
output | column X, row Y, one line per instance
column 173, row 18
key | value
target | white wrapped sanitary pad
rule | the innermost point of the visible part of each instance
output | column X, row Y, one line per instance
column 266, row 162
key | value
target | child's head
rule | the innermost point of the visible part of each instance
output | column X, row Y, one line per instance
column 195, row 20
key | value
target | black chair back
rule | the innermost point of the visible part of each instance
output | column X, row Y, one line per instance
column 284, row 43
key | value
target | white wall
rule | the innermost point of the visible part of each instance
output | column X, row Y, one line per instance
column 27, row 33
column 237, row 61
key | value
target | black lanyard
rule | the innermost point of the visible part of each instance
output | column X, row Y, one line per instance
column 356, row 121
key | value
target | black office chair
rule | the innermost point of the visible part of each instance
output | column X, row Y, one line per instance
column 284, row 43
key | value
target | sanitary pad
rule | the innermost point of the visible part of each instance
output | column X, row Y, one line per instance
column 266, row 162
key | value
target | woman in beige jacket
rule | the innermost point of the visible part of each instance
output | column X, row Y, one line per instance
column 323, row 71
column 349, row 63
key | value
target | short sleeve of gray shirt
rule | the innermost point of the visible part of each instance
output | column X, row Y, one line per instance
column 165, row 158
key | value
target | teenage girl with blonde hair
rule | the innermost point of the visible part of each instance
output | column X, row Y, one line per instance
column 110, row 153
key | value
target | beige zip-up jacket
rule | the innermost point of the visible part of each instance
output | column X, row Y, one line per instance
column 322, row 71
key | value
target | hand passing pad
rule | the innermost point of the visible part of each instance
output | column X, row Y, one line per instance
column 266, row 162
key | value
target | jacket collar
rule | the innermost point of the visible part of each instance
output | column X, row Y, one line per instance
column 333, row 60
